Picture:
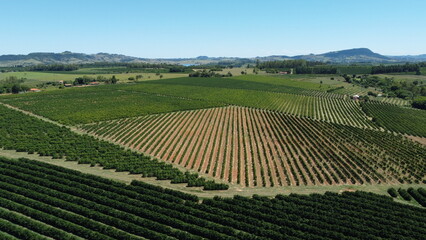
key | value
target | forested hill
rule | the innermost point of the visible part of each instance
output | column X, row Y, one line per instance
column 346, row 56
column 356, row 55
column 63, row 58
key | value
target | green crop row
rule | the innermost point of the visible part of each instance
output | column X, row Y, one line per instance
column 42, row 201
column 23, row 133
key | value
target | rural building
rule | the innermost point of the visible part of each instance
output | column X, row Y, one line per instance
column 283, row 72
column 67, row 85
column 94, row 83
column 34, row 90
column 355, row 97
column 61, row 81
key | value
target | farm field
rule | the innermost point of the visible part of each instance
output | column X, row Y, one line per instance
column 29, row 134
column 397, row 119
column 308, row 103
column 405, row 77
column 35, row 78
column 90, row 104
column 255, row 147
column 329, row 83
column 394, row 101
column 412, row 195
column 42, row 201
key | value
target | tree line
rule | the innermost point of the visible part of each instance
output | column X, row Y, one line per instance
column 408, row 67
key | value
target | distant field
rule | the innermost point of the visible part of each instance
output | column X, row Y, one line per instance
column 403, row 77
column 262, row 148
column 251, row 82
column 354, row 70
column 328, row 83
column 34, row 78
column 395, row 101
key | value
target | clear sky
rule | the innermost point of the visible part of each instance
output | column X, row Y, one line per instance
column 190, row 28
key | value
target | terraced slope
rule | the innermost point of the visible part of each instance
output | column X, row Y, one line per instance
column 263, row 148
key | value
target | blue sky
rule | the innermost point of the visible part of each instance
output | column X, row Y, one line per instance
column 189, row 28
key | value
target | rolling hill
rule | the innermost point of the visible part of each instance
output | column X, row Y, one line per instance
column 356, row 55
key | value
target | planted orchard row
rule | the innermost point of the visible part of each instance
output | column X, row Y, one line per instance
column 397, row 119
column 418, row 195
column 27, row 134
column 328, row 107
column 42, row 201
column 262, row 148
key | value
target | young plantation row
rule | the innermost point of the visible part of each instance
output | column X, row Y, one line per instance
column 263, row 148
column 24, row 133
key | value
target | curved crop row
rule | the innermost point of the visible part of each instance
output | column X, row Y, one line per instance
column 263, row 148
column 397, row 119
column 42, row 201
column 24, row 133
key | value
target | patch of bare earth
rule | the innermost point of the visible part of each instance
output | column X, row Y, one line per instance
column 420, row 140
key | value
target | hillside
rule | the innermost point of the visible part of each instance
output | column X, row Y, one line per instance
column 356, row 55
column 63, row 58
column 348, row 56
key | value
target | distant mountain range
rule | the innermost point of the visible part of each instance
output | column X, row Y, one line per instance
column 356, row 55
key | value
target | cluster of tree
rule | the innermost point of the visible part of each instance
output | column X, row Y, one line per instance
column 209, row 73
column 87, row 79
column 286, row 64
column 390, row 87
column 408, row 67
column 52, row 68
column 104, row 67
column 419, row 103
column 316, row 70
column 299, row 66
column 13, row 85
